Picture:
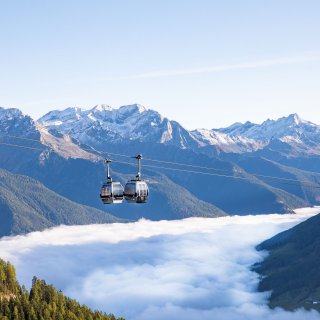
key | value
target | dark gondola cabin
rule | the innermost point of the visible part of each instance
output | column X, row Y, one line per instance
column 136, row 190
column 111, row 192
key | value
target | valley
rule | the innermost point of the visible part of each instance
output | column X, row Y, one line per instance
column 195, row 267
column 69, row 147
column 50, row 177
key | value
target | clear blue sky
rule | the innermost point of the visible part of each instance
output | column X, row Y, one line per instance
column 204, row 63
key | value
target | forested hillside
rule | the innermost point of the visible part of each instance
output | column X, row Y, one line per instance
column 42, row 302
column 27, row 205
column 291, row 270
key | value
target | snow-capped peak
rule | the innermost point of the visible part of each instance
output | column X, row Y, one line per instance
column 296, row 118
column 102, row 107
column 10, row 113
column 62, row 116
column 291, row 120
column 225, row 142
column 134, row 122
column 237, row 128
column 290, row 129
column 270, row 129
column 132, row 108
column 103, row 124
column 140, row 108
column 13, row 121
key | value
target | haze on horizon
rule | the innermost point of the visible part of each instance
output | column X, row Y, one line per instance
column 203, row 63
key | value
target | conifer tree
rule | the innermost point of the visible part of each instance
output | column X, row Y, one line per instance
column 43, row 302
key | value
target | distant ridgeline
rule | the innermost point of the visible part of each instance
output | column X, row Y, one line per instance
column 242, row 169
column 42, row 302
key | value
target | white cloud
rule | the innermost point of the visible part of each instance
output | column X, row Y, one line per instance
column 223, row 67
column 188, row 269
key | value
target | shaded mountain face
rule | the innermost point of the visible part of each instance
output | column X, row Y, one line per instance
column 27, row 205
column 290, row 141
column 75, row 171
column 65, row 168
column 291, row 270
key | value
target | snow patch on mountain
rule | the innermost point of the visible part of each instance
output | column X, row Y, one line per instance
column 236, row 129
column 104, row 124
column 14, row 122
column 293, row 125
column 227, row 143
column 302, row 135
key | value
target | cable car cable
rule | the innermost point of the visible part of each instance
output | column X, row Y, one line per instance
column 153, row 160
column 124, row 155
column 25, row 147
column 21, row 138
column 215, row 174
column 201, row 167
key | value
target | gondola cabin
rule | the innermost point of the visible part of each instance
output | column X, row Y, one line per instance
column 111, row 192
column 136, row 191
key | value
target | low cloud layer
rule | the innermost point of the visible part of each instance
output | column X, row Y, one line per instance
column 188, row 269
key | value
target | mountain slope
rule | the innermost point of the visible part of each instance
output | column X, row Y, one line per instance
column 274, row 129
column 80, row 180
column 73, row 169
column 292, row 268
column 225, row 142
column 235, row 196
column 296, row 181
column 14, row 122
column 128, row 123
column 77, row 174
column 27, row 205
column 167, row 201
column 303, row 136
column 136, row 123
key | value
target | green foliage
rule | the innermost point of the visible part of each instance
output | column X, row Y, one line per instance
column 8, row 282
column 43, row 302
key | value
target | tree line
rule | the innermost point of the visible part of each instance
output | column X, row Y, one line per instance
column 42, row 302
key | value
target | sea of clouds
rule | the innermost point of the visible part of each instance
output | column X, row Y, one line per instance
column 186, row 269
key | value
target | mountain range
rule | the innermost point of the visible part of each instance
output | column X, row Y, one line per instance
column 136, row 123
column 64, row 151
column 51, row 170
